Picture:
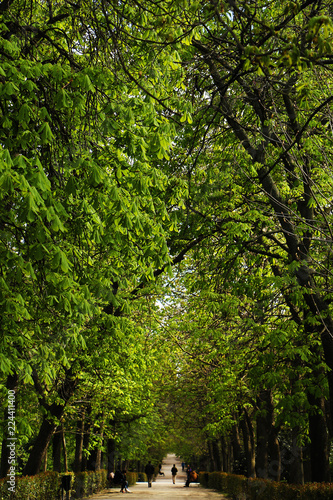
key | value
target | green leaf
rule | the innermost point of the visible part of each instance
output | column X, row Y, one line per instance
column 45, row 133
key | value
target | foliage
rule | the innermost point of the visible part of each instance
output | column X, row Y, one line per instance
column 260, row 489
column 41, row 487
column 88, row 483
column 138, row 136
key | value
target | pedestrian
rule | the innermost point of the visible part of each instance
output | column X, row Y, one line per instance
column 160, row 470
column 124, row 483
column 174, row 471
column 188, row 472
column 183, row 466
column 149, row 470
column 118, row 477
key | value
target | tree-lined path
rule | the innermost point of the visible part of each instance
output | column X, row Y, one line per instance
column 166, row 243
column 163, row 487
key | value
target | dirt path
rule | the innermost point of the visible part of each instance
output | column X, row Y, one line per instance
column 163, row 488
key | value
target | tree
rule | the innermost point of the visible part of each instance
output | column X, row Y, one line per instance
column 258, row 128
column 82, row 216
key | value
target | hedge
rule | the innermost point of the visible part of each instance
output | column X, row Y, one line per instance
column 47, row 486
column 242, row 488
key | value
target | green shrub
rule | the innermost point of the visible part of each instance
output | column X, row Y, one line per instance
column 44, row 486
column 132, row 478
column 87, row 483
column 142, row 477
column 240, row 487
column 47, row 486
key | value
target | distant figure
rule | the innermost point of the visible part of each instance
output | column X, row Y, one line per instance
column 110, row 479
column 174, row 471
column 183, row 466
column 188, row 472
column 160, row 471
column 149, row 470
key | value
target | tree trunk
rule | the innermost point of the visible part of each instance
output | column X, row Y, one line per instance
column 225, row 454
column 111, row 455
column 262, row 439
column 211, row 457
column 11, row 385
column 44, row 465
column 319, row 442
column 248, row 439
column 79, row 445
column 48, row 427
column 64, row 449
column 56, row 450
column 236, row 443
column 216, row 455
column 296, row 470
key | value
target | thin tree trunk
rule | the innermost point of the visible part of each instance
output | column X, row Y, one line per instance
column 225, row 454
column 262, row 438
column 64, row 448
column 236, row 443
column 79, row 445
column 216, row 455
column 248, row 439
column 44, row 465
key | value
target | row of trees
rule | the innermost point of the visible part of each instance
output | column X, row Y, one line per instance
column 140, row 138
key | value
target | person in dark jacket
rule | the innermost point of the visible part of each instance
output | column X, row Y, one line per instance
column 124, row 483
column 174, row 471
column 149, row 470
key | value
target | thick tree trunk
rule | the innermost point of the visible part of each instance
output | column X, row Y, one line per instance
column 296, row 470
column 274, row 468
column 11, row 385
column 111, row 455
column 319, row 443
column 39, row 449
column 48, row 427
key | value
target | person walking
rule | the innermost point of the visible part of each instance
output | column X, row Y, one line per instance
column 149, row 470
column 174, row 471
column 124, row 483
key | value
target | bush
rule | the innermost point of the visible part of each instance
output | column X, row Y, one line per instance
column 240, row 487
column 44, row 486
column 132, row 478
column 89, row 482
column 47, row 486
column 142, row 477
